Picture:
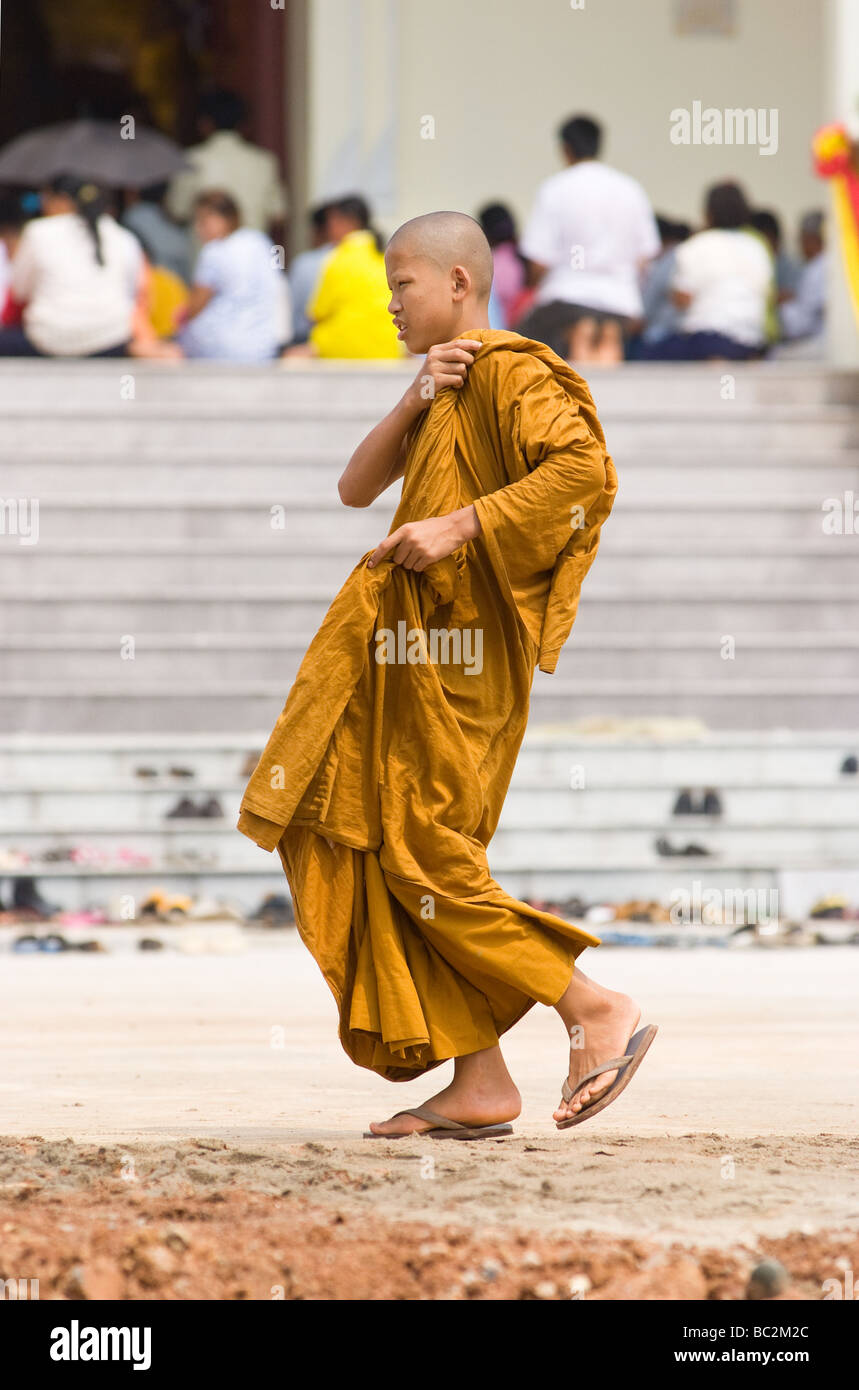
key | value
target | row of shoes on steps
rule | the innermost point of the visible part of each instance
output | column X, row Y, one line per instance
column 151, row 774
column 576, row 909
column 275, row 909
column 147, row 773
column 186, row 809
column 49, row 943
column 14, row 860
column 52, row 942
column 162, row 906
column 188, row 858
column 830, row 907
column 25, row 903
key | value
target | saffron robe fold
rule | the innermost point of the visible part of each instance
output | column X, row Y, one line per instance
column 382, row 781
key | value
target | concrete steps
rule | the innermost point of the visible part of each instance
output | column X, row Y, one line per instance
column 76, row 384
column 137, row 709
column 79, row 566
column 160, row 437
column 201, row 517
column 583, row 815
column 729, row 518
column 112, row 811
column 724, row 606
column 195, row 510
column 284, row 473
column 225, row 657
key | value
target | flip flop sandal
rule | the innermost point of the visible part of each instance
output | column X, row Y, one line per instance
column 443, row 1128
column 626, row 1066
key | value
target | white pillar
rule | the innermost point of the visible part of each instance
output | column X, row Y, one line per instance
column 352, row 96
column 842, row 91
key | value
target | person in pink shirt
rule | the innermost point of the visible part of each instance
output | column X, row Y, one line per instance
column 508, row 281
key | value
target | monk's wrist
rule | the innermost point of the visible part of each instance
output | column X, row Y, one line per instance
column 465, row 522
column 414, row 402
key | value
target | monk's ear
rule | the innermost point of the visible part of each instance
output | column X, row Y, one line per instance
column 462, row 281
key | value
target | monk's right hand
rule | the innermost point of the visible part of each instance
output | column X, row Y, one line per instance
column 446, row 364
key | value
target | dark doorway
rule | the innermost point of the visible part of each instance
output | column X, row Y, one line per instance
column 147, row 58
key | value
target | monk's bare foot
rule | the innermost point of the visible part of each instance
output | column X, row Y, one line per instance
column 482, row 1093
column 600, row 1023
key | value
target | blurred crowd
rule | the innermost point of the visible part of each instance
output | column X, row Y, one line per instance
column 195, row 267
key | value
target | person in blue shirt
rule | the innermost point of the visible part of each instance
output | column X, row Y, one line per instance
column 305, row 270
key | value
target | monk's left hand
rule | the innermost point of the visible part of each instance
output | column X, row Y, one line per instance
column 420, row 543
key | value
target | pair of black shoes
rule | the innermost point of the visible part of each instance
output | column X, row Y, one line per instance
column 27, row 898
column 186, row 809
column 665, row 848
column 708, row 803
column 275, row 910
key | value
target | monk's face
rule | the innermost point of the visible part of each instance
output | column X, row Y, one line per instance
column 426, row 301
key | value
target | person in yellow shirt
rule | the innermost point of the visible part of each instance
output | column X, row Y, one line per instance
column 348, row 309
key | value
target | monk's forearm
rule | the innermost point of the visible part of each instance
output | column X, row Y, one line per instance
column 370, row 469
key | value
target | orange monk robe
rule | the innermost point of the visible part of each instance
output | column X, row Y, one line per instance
column 383, row 780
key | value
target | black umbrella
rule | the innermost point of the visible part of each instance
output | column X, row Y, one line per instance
column 93, row 150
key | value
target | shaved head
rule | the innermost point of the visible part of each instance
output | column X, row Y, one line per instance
column 448, row 239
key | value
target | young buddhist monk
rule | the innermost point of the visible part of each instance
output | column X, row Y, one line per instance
column 383, row 780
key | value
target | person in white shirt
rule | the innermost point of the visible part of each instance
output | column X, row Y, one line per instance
column 226, row 160
column 238, row 309
column 77, row 274
column 722, row 284
column 590, row 235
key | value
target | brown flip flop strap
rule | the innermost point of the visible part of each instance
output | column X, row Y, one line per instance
column 423, row 1112
column 614, row 1064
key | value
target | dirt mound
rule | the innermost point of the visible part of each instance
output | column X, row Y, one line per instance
column 89, row 1223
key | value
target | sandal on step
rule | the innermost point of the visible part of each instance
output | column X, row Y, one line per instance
column 443, row 1128
column 625, row 1066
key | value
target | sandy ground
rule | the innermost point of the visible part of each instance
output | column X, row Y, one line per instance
column 188, row 1127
